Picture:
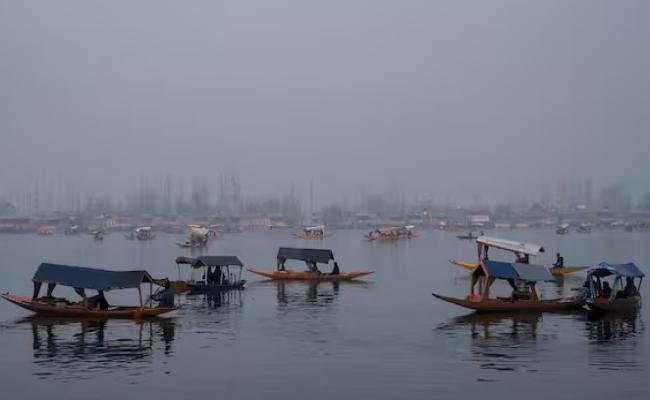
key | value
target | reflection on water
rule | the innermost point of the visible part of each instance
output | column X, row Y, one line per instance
column 500, row 341
column 225, row 299
column 613, row 341
column 68, row 349
column 316, row 293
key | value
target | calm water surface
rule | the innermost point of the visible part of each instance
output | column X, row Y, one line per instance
column 386, row 338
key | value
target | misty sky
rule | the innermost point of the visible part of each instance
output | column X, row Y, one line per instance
column 451, row 98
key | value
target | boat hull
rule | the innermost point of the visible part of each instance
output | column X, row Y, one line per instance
column 497, row 305
column 308, row 276
column 76, row 310
column 622, row 306
column 311, row 237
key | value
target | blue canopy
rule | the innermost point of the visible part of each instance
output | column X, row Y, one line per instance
column 524, row 272
column 606, row 269
column 89, row 278
column 499, row 269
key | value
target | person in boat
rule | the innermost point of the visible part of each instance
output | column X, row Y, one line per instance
column 98, row 301
column 335, row 270
column 313, row 267
column 607, row 290
column 559, row 261
column 165, row 297
column 629, row 290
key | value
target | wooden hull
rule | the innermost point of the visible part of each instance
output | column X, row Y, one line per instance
column 76, row 310
column 622, row 306
column 565, row 270
column 179, row 286
column 466, row 265
column 308, row 276
column 554, row 271
column 496, row 305
column 390, row 239
column 465, row 237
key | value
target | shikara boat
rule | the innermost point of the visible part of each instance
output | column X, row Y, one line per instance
column 312, row 233
column 614, row 288
column 214, row 272
column 469, row 236
column 521, row 276
column 562, row 229
column 392, row 233
column 311, row 257
column 82, row 278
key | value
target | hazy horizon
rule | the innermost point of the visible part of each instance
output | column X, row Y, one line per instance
column 451, row 99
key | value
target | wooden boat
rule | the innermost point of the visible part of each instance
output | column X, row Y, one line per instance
column 554, row 271
column 215, row 274
column 481, row 304
column 308, row 276
column 82, row 278
column 60, row 309
column 615, row 297
column 522, row 277
column 311, row 257
column 391, row 234
column 312, row 233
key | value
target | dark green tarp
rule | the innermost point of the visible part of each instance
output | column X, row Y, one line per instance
column 211, row 261
column 89, row 278
column 310, row 255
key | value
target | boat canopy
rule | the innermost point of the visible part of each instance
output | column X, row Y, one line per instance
column 89, row 278
column 315, row 228
column 511, row 245
column 214, row 261
column 625, row 270
column 524, row 272
column 143, row 229
column 322, row 256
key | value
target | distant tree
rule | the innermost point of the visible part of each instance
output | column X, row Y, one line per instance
column 615, row 198
column 332, row 215
column 644, row 204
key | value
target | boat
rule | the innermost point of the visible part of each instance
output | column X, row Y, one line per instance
column 392, row 233
column 562, row 229
column 143, row 233
column 98, row 235
column 312, row 233
column 521, row 276
column 197, row 239
column 311, row 257
column 45, row 230
column 613, row 288
column 584, row 228
column 82, row 278
column 214, row 274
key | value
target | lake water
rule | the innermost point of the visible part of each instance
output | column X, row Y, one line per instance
column 386, row 338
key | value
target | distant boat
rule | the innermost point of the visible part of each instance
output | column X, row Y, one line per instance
column 562, row 229
column 392, row 233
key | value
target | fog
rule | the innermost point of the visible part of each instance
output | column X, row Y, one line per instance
column 452, row 99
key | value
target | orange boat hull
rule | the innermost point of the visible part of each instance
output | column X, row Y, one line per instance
column 308, row 276
column 77, row 310
column 495, row 305
column 623, row 306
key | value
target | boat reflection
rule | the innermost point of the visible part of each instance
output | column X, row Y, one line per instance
column 499, row 341
column 614, row 340
column 214, row 300
column 308, row 292
column 69, row 349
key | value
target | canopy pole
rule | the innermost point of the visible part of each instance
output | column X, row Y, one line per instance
column 140, row 295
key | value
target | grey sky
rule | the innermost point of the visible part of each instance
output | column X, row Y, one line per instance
column 450, row 98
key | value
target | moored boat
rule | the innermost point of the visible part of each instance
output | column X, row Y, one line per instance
column 606, row 290
column 215, row 274
column 82, row 278
column 312, row 257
